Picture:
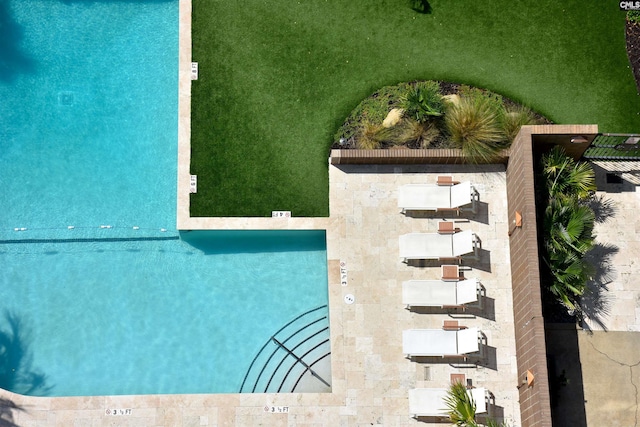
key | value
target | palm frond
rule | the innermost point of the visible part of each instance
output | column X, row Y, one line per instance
column 460, row 405
column 563, row 175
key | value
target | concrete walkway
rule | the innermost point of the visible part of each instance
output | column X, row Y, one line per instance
column 611, row 376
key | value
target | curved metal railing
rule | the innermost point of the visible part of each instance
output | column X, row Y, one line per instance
column 289, row 354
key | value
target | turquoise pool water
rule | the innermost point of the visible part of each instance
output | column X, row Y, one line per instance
column 88, row 131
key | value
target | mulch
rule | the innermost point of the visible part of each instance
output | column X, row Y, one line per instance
column 633, row 49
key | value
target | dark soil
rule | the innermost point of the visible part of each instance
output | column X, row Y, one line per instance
column 633, row 49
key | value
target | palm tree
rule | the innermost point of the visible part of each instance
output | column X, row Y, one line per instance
column 460, row 406
column 570, row 275
column 568, row 225
column 564, row 176
column 473, row 124
column 16, row 371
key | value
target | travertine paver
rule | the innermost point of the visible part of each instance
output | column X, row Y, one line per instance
column 371, row 377
column 614, row 301
column 369, row 195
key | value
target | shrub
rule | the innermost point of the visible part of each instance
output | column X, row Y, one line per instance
column 473, row 92
column 372, row 109
column 369, row 136
column 429, row 133
column 474, row 126
column 423, row 101
column 422, row 134
column 513, row 118
column 469, row 118
column 409, row 131
column 633, row 15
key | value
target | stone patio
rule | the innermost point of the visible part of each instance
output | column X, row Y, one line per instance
column 371, row 376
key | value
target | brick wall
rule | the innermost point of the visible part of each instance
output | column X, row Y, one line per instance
column 403, row 156
column 535, row 404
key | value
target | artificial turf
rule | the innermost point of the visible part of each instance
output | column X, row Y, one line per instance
column 278, row 77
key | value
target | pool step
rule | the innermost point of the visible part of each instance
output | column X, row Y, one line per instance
column 297, row 358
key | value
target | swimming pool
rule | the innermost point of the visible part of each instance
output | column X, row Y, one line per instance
column 101, row 294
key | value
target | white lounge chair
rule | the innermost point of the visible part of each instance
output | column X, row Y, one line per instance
column 438, row 246
column 440, row 343
column 440, row 293
column 430, row 402
column 433, row 197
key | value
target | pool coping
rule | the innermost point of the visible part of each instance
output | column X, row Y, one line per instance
column 184, row 113
column 184, row 221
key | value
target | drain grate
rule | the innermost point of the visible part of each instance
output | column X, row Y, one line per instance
column 66, row 99
column 427, row 373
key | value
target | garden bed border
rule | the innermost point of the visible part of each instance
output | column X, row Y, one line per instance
column 406, row 156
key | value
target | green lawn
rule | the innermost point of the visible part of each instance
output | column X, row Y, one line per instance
column 278, row 77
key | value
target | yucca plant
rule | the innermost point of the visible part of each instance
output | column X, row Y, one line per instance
column 423, row 101
column 474, row 126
